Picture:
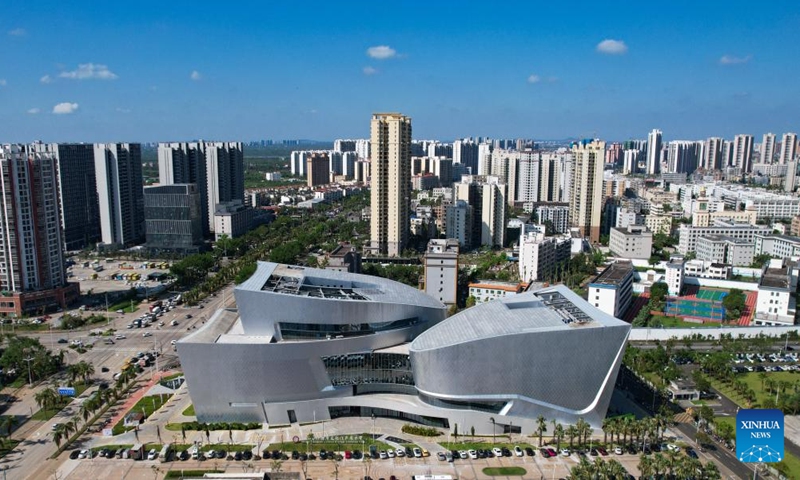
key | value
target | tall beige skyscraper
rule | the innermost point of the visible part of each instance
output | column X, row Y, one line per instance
column 768, row 148
column 788, row 148
column 586, row 201
column 390, row 156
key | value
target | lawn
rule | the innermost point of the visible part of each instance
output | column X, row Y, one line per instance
column 227, row 447
column 676, row 322
column 125, row 306
column 42, row 415
column 504, row 471
column 317, row 445
column 189, row 412
column 171, row 377
column 147, row 405
column 126, row 446
column 754, row 382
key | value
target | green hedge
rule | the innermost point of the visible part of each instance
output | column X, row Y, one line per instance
column 214, row 426
column 190, row 473
column 421, row 431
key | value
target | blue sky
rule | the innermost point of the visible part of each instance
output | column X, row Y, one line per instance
column 547, row 70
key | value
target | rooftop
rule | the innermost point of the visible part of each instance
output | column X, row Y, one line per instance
column 785, row 238
column 554, row 308
column 775, row 278
column 614, row 274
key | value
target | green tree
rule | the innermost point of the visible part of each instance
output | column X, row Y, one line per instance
column 734, row 303
column 541, row 427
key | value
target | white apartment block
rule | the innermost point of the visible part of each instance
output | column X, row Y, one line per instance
column 612, row 290
column 658, row 224
column 441, row 270
column 539, row 255
column 674, row 276
column 688, row 235
column 721, row 249
column 632, row 242
column 702, row 269
column 458, row 222
column 557, row 215
column 775, row 304
column 780, row 246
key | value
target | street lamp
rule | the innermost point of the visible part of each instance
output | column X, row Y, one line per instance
column 491, row 419
column 29, row 360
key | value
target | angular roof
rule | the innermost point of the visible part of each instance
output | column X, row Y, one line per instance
column 275, row 278
column 554, row 308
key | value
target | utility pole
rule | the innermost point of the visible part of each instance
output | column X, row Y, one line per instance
column 29, row 360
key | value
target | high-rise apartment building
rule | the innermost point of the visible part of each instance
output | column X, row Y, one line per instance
column 458, row 223
column 487, row 197
column 390, row 182
column 80, row 211
column 682, row 156
column 216, row 167
column 713, row 153
column 654, row 152
column 788, row 148
column 767, row 148
column 466, row 152
column 317, row 169
column 32, row 271
column 743, row 152
column 586, row 202
column 118, row 168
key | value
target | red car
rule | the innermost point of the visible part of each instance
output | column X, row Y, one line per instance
column 347, row 454
column 602, row 451
column 552, row 452
column 544, row 452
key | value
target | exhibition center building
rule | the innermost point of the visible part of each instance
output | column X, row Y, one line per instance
column 309, row 344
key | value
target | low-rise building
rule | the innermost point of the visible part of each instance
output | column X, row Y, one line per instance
column 683, row 390
column 344, row 258
column 658, row 224
column 612, row 290
column 776, row 304
column 795, row 228
column 233, row 219
column 688, row 235
column 632, row 242
column 487, row 290
column 703, row 269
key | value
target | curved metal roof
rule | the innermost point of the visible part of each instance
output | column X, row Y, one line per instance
column 554, row 308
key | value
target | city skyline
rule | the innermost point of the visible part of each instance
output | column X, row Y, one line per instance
column 174, row 73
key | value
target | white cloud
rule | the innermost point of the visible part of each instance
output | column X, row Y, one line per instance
column 46, row 79
column 3, row 82
column 612, row 47
column 369, row 70
column 123, row 110
column 65, row 108
column 17, row 32
column 195, row 75
column 381, row 52
column 33, row 111
column 534, row 79
column 89, row 71
column 734, row 60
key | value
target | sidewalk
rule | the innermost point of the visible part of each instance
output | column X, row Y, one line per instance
column 141, row 392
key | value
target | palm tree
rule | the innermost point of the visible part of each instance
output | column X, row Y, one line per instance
column 762, row 376
column 646, row 466
column 607, row 427
column 558, row 433
column 627, row 424
column 614, row 469
column 711, row 472
column 541, row 427
column 59, row 434
column 584, row 430
column 571, row 432
column 673, row 460
column 660, row 464
column 46, row 398
column 8, row 423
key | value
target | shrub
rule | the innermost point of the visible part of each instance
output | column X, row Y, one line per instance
column 420, row 430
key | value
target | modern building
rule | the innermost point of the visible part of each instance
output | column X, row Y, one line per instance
column 33, row 274
column 233, row 219
column 344, row 258
column 632, row 242
column 776, row 304
column 318, row 170
column 674, row 276
column 612, row 290
column 441, row 270
column 217, row 168
column 77, row 184
column 539, row 256
column 337, row 345
column 586, row 203
column 118, row 169
column 458, row 223
column 555, row 213
column 487, row 197
column 736, row 252
column 390, row 183
column 703, row 269
column 654, row 152
column 173, row 222
column 713, row 154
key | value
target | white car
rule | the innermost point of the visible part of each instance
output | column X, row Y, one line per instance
column 391, row 453
column 384, row 455
column 147, row 334
column 173, row 342
column 152, row 454
column 119, row 336
column 473, row 454
column 673, row 447
column 618, row 450
column 497, row 452
column 418, row 453
column 84, row 454
column 400, row 452
column 463, row 454
column 518, row 451
column 565, row 452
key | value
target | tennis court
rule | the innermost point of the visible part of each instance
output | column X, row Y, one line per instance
column 713, row 295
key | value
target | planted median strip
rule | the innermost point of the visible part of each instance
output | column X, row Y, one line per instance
column 504, row 471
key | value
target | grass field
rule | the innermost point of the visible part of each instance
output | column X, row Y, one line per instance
column 504, row 471
column 317, row 445
column 125, row 306
column 676, row 322
column 146, row 405
column 754, row 382
column 189, row 412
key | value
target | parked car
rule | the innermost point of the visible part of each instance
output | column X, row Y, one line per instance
column 529, row 451
column 391, row 453
column 417, row 452
column 497, row 452
column 543, row 452
column 84, row 454
column 565, row 452
column 152, row 454
column 473, row 454
column 400, row 452
column 618, row 450
column 518, row 451
column 463, row 454
column 382, row 454
column 73, row 455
